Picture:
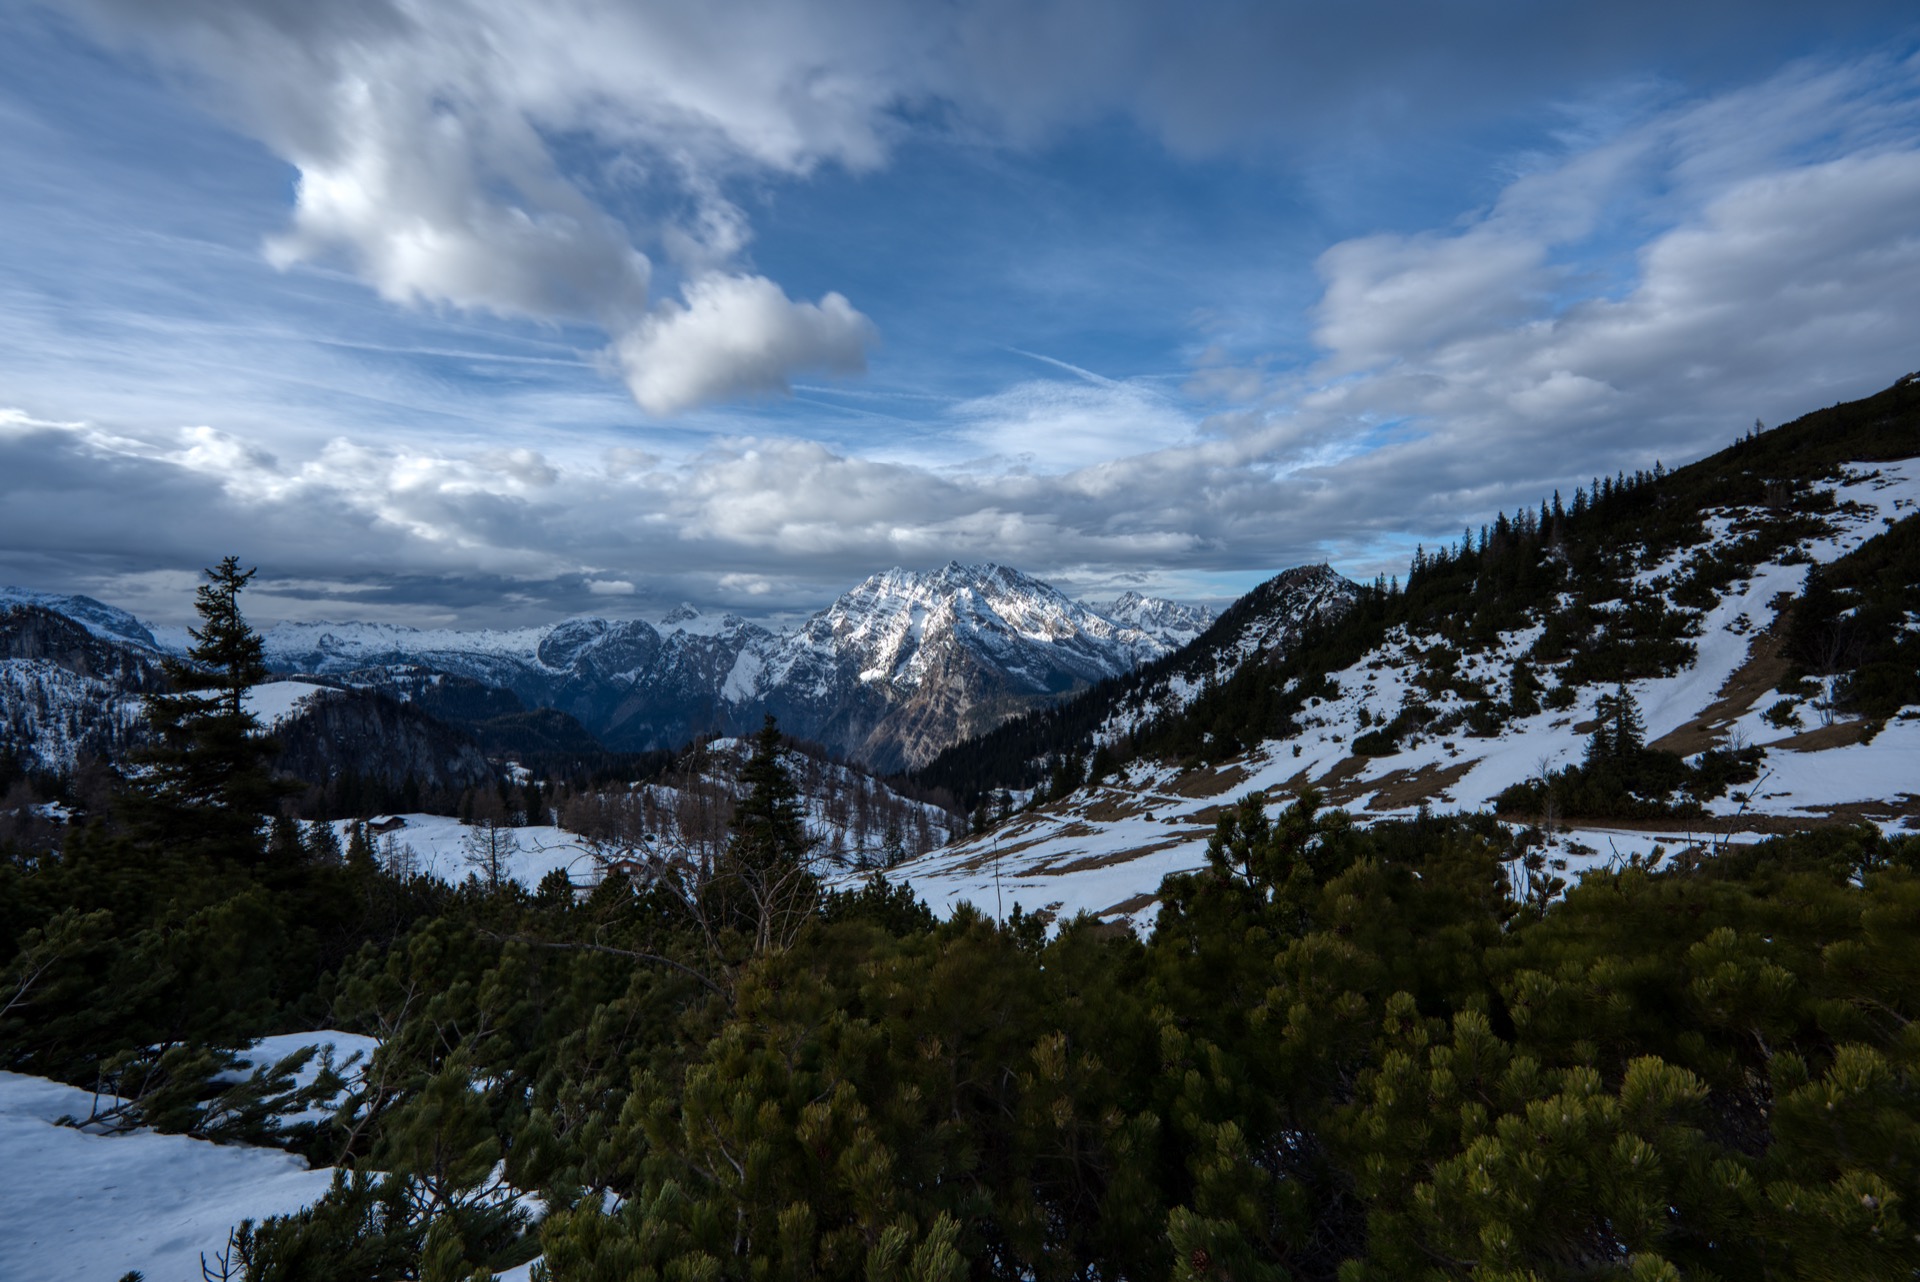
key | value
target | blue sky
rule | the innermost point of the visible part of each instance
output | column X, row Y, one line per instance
column 475, row 312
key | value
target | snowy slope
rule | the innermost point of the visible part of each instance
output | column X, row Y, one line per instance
column 51, row 719
column 97, row 617
column 1105, row 849
column 69, row 689
column 274, row 703
column 74, row 1205
column 1260, row 625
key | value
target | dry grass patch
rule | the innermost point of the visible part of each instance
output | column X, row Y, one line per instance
column 1128, row 907
column 1840, row 734
column 1906, row 806
column 1402, row 788
column 1210, row 781
column 1112, row 803
column 1342, row 784
column 1086, row 863
column 1027, row 839
column 1699, row 826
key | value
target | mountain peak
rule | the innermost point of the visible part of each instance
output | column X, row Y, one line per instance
column 97, row 617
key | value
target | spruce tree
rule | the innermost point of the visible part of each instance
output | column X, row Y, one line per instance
column 209, row 784
column 767, row 828
column 763, row 887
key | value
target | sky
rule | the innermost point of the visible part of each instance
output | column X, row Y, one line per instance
column 482, row 313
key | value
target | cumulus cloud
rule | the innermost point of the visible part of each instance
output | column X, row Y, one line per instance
column 424, row 136
column 735, row 335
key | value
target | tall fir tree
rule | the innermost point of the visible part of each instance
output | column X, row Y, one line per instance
column 209, row 784
column 763, row 888
column 767, row 827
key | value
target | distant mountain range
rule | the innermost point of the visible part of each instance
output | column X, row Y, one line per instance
column 902, row 666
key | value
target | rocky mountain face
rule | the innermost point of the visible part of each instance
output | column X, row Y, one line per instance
column 68, row 691
column 1259, row 627
column 900, row 667
column 377, row 737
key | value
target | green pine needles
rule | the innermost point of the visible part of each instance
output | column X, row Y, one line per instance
column 208, row 784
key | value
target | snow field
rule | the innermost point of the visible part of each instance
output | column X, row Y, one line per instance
column 90, row 1207
column 275, row 702
column 436, row 846
column 82, row 1206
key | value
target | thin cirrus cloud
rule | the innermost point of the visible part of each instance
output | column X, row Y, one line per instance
column 546, row 207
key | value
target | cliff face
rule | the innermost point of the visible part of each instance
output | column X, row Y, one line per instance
column 68, row 693
column 376, row 737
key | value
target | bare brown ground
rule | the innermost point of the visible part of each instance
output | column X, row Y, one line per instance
column 1210, row 782
column 1337, row 785
column 1762, row 670
column 1906, row 806
column 1838, row 735
column 1111, row 804
column 1401, row 788
column 1711, row 825
column 1207, row 816
column 1127, row 907
column 1027, row 838
column 1106, row 860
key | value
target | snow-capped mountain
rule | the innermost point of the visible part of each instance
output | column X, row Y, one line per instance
column 69, row 688
column 1260, row 625
column 1173, row 623
column 908, row 663
column 903, row 665
column 99, row 618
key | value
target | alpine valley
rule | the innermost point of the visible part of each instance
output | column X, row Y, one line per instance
column 1552, row 906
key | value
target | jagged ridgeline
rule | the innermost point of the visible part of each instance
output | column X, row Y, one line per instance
column 1577, row 566
column 1049, row 745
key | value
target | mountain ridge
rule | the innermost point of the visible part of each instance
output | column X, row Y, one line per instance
column 892, row 671
column 1679, row 662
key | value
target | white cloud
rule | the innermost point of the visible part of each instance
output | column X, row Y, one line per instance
column 1388, row 297
column 1050, row 425
column 426, row 139
column 610, row 587
column 737, row 335
column 541, row 159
